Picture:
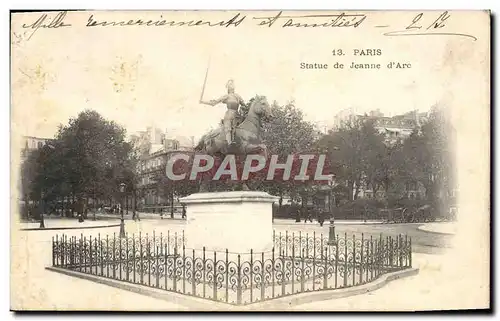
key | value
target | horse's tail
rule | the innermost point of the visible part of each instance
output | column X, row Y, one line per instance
column 201, row 144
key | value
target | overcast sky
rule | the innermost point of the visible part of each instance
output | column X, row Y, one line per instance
column 60, row 72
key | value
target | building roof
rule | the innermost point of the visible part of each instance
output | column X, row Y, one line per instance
column 182, row 140
column 40, row 138
column 156, row 148
column 398, row 129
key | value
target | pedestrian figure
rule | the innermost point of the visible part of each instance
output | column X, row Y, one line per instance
column 321, row 218
column 308, row 215
column 297, row 214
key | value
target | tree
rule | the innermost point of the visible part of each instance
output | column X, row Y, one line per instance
column 375, row 154
column 345, row 147
column 39, row 173
column 391, row 170
column 28, row 175
column 89, row 158
column 429, row 155
column 287, row 133
column 360, row 157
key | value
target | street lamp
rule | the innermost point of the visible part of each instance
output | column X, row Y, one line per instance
column 41, row 204
column 331, row 228
column 41, row 208
column 94, row 202
column 122, row 221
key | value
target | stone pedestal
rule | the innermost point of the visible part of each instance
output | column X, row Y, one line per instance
column 238, row 221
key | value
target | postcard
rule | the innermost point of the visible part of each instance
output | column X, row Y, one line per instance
column 250, row 160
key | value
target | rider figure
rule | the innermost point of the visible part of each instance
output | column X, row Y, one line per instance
column 233, row 102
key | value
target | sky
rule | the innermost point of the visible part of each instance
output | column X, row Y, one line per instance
column 143, row 77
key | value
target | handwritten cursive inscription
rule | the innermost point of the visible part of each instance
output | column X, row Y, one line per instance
column 327, row 20
column 418, row 27
column 234, row 21
column 44, row 22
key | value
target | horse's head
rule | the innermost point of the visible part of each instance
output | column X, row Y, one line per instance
column 260, row 106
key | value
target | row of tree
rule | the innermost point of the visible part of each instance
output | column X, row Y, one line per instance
column 366, row 158
column 90, row 158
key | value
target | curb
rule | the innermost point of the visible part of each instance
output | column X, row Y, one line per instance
column 423, row 229
column 324, row 295
column 283, row 303
column 327, row 223
column 140, row 217
column 67, row 228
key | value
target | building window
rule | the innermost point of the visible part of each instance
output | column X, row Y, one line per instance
column 411, row 186
column 40, row 144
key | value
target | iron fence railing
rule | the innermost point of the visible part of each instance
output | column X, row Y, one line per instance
column 296, row 264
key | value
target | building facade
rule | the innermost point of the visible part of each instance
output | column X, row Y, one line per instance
column 153, row 195
column 31, row 143
column 395, row 128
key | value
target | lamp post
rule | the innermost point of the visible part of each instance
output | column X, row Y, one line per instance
column 122, row 221
column 41, row 210
column 331, row 228
column 134, row 206
column 46, row 149
column 94, row 203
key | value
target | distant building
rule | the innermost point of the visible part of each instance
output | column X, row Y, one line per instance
column 410, row 190
column 152, row 164
column 31, row 143
column 396, row 128
column 344, row 116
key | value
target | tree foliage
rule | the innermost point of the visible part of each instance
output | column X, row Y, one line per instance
column 288, row 133
column 89, row 157
column 362, row 157
column 429, row 155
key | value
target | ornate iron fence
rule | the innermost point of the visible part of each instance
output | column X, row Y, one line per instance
column 296, row 264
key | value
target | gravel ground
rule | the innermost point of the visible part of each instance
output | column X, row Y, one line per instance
column 440, row 283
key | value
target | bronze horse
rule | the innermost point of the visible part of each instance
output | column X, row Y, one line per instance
column 247, row 137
